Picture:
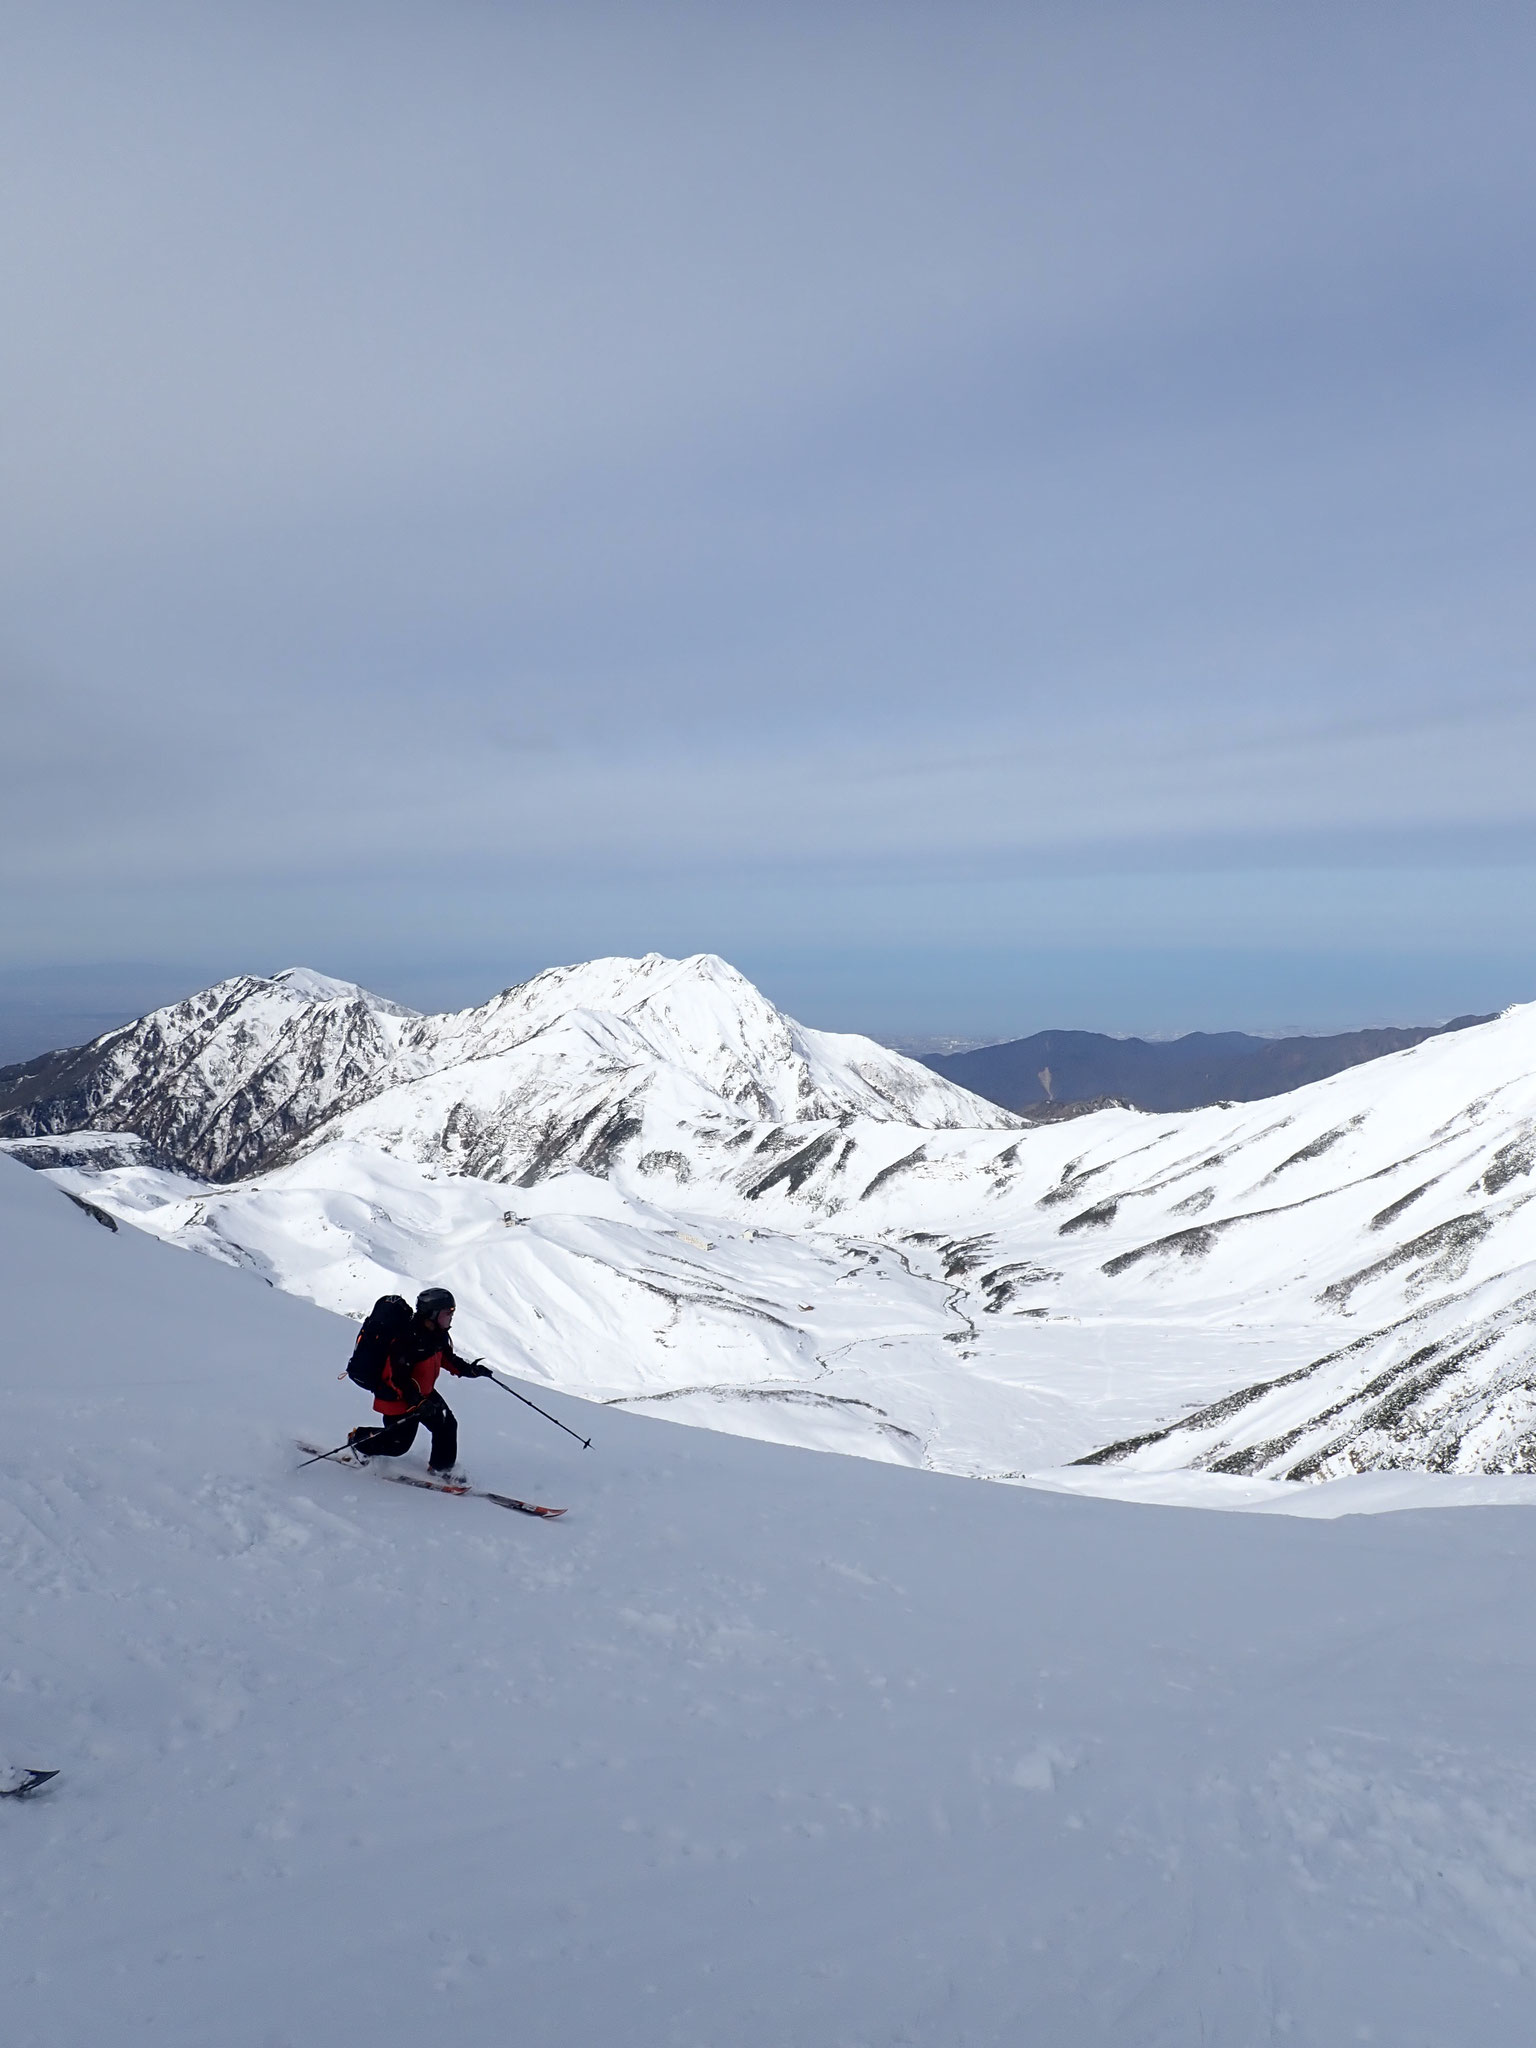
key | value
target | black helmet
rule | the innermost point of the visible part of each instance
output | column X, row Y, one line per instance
column 433, row 1300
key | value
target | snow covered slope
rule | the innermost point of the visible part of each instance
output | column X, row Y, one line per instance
column 753, row 1747
column 649, row 1187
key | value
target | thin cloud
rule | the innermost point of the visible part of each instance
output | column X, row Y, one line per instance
column 674, row 441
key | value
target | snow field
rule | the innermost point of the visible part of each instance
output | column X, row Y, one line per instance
column 753, row 1746
column 649, row 1187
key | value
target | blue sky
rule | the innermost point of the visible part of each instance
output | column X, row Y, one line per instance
column 989, row 517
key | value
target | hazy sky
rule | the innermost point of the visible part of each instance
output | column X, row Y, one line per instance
column 987, row 516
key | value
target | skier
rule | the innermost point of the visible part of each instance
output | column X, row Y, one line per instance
column 407, row 1391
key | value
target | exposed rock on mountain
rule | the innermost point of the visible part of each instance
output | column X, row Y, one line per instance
column 554, row 1073
column 223, row 1083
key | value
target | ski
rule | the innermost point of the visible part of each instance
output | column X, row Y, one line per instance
column 30, row 1780
column 501, row 1500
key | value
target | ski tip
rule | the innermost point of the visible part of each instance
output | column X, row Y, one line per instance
column 30, row 1781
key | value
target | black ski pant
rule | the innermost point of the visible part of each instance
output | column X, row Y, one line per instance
column 394, row 1439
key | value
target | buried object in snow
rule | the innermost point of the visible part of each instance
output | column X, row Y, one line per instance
column 26, row 1781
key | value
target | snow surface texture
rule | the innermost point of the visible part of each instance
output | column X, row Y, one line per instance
column 754, row 1747
column 646, row 1186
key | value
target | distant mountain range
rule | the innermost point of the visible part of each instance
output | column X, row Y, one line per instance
column 1060, row 1068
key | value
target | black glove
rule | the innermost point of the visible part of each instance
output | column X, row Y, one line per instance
column 473, row 1369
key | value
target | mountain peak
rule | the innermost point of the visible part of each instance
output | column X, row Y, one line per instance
column 310, row 985
column 235, row 1079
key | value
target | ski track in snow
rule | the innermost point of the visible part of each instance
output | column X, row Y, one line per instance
column 754, row 1747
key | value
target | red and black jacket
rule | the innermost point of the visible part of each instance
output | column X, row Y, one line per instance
column 412, row 1369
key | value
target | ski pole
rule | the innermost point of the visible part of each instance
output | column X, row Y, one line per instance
column 383, row 1425
column 584, row 1441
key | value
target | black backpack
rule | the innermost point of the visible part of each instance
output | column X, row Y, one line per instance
column 387, row 1326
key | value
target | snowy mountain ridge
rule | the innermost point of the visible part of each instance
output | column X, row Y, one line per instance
column 222, row 1081
column 647, row 1186
column 235, row 1079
